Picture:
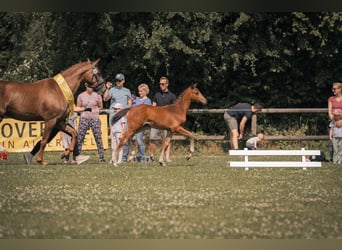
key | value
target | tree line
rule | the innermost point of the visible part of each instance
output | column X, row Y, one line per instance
column 285, row 59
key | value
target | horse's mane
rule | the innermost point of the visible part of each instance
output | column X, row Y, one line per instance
column 75, row 67
column 182, row 94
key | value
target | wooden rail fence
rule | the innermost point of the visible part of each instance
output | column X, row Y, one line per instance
column 254, row 124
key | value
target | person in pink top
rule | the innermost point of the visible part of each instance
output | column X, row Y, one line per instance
column 92, row 102
column 335, row 103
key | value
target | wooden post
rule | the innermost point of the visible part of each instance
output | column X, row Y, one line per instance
column 254, row 124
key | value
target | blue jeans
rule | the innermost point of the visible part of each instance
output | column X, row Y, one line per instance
column 126, row 149
column 337, row 144
column 141, row 145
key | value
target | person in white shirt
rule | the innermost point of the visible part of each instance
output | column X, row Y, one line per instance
column 252, row 143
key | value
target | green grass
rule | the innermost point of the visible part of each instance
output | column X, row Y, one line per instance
column 201, row 198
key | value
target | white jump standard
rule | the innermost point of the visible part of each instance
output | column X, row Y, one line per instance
column 303, row 163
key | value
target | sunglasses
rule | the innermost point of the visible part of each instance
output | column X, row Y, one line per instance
column 163, row 83
column 334, row 88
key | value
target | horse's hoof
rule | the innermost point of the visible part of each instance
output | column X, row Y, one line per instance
column 161, row 163
column 42, row 162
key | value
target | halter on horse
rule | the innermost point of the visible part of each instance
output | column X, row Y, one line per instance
column 49, row 100
column 169, row 117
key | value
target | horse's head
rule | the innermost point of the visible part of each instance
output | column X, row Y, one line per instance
column 94, row 78
column 196, row 95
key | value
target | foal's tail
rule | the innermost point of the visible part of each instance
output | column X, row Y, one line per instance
column 118, row 115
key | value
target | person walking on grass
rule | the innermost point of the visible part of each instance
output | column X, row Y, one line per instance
column 91, row 101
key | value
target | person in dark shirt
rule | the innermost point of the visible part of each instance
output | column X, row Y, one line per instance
column 236, row 118
column 161, row 98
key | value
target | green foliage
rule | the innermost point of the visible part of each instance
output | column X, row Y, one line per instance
column 287, row 59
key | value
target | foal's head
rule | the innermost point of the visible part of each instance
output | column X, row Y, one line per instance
column 196, row 95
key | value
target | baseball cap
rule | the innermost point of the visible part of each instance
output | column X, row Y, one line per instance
column 119, row 77
column 117, row 105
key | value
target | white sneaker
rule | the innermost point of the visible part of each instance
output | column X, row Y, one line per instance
column 28, row 158
column 81, row 158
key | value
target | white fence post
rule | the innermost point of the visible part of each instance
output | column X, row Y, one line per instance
column 303, row 159
column 246, row 160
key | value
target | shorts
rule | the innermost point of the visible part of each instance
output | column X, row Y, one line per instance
column 230, row 121
column 155, row 134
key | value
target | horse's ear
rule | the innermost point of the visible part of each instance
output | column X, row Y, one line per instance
column 194, row 85
column 88, row 60
column 96, row 62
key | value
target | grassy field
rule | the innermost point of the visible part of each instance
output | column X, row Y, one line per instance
column 198, row 199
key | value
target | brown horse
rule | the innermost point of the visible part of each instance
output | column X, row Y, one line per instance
column 50, row 100
column 169, row 117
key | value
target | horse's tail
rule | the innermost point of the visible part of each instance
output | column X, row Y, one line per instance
column 118, row 115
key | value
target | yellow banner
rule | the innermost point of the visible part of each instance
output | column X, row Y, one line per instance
column 20, row 136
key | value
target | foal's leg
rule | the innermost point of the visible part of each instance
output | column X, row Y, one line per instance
column 187, row 133
column 126, row 135
column 166, row 144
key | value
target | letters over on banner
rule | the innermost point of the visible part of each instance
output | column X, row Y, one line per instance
column 20, row 136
